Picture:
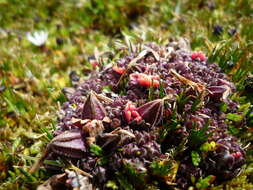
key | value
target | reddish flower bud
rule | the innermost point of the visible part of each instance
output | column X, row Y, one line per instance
column 128, row 115
column 198, row 56
column 138, row 119
column 155, row 77
column 131, row 107
column 131, row 113
column 236, row 154
column 135, row 114
column 119, row 70
column 145, row 80
column 155, row 83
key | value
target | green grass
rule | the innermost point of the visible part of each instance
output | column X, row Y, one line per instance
column 32, row 79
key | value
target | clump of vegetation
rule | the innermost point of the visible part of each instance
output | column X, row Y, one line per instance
column 126, row 128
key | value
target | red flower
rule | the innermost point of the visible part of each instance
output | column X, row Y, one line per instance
column 236, row 154
column 198, row 56
column 145, row 80
column 119, row 70
column 131, row 113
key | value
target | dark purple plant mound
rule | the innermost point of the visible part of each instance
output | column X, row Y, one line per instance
column 153, row 118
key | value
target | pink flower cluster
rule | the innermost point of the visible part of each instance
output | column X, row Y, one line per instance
column 145, row 80
column 131, row 113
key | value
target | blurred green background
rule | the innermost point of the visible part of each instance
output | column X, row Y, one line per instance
column 31, row 77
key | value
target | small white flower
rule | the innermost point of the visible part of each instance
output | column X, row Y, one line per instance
column 37, row 38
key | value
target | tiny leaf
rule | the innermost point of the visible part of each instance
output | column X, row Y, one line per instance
column 112, row 185
column 196, row 159
column 208, row 146
column 165, row 169
column 206, row 182
column 234, row 117
column 160, row 168
column 97, row 150
column 198, row 137
column 124, row 184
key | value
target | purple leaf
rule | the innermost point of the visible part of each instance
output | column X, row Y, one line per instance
column 93, row 108
column 152, row 112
